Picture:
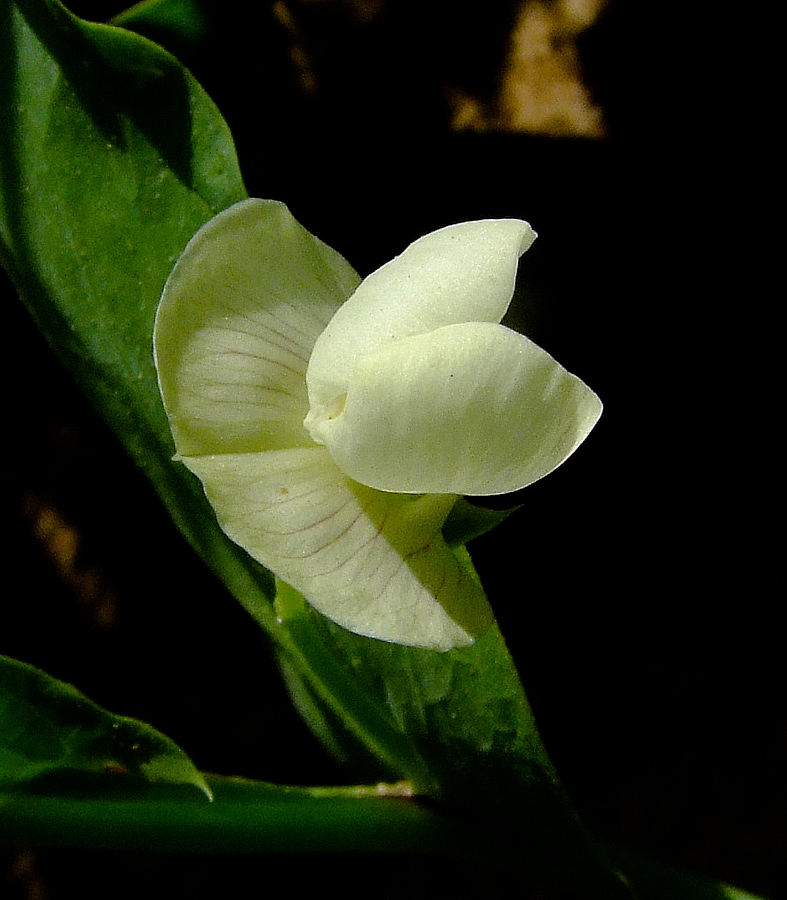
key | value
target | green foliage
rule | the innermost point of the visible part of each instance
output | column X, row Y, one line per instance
column 63, row 784
column 111, row 156
column 52, row 736
column 184, row 19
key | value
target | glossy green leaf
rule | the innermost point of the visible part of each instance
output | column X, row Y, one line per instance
column 183, row 19
column 50, row 733
column 468, row 520
column 110, row 157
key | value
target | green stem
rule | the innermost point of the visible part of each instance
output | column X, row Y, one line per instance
column 253, row 817
column 360, row 716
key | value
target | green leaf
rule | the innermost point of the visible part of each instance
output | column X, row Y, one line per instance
column 74, row 775
column 183, row 19
column 52, row 736
column 469, row 728
column 468, row 520
column 111, row 157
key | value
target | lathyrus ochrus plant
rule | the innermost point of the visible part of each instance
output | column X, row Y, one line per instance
column 334, row 422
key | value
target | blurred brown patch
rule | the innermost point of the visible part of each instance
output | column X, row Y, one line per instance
column 514, row 68
column 61, row 543
column 541, row 89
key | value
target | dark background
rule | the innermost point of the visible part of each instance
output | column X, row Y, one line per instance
column 637, row 587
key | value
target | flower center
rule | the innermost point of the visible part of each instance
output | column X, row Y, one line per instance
column 318, row 416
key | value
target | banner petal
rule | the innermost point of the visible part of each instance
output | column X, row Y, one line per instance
column 236, row 325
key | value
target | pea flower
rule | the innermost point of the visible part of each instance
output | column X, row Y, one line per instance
column 334, row 422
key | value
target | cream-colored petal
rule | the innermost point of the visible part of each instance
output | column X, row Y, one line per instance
column 374, row 563
column 466, row 409
column 235, row 329
column 463, row 273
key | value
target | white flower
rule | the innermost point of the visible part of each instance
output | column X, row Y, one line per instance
column 332, row 437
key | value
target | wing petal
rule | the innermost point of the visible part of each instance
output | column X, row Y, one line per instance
column 463, row 273
column 374, row 563
column 465, row 409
